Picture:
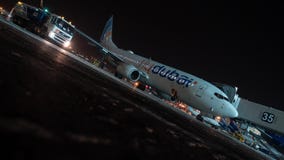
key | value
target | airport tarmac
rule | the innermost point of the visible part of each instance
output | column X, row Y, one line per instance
column 54, row 107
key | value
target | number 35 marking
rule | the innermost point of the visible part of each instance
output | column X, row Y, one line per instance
column 267, row 117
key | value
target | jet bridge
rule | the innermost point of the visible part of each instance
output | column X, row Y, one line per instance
column 251, row 112
column 261, row 115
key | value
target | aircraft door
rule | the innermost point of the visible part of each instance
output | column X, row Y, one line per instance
column 200, row 90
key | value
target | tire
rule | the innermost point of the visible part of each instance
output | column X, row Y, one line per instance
column 43, row 32
column 37, row 30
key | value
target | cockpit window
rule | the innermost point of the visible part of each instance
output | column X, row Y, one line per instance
column 220, row 96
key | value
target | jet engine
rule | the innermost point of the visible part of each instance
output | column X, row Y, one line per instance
column 128, row 71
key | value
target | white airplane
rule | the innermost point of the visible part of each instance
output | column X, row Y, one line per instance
column 185, row 87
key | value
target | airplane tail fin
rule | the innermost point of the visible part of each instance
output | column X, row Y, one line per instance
column 106, row 37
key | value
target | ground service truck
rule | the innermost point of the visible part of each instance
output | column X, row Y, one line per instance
column 43, row 23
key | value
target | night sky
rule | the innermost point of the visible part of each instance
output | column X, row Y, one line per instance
column 228, row 42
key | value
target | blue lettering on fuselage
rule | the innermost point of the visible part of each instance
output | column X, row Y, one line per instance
column 164, row 72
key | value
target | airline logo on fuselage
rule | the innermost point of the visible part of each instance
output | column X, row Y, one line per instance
column 173, row 75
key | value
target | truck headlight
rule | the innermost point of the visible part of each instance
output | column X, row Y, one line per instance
column 66, row 44
column 51, row 35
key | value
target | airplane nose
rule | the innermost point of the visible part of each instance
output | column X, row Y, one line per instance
column 232, row 111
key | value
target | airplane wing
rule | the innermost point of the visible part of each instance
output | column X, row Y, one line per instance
column 99, row 46
column 123, row 69
column 107, row 52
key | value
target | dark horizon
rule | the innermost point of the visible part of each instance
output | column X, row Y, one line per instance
column 233, row 43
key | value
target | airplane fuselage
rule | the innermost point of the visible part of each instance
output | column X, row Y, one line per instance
column 187, row 88
column 190, row 89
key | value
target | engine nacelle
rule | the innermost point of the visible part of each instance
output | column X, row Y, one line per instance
column 128, row 71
